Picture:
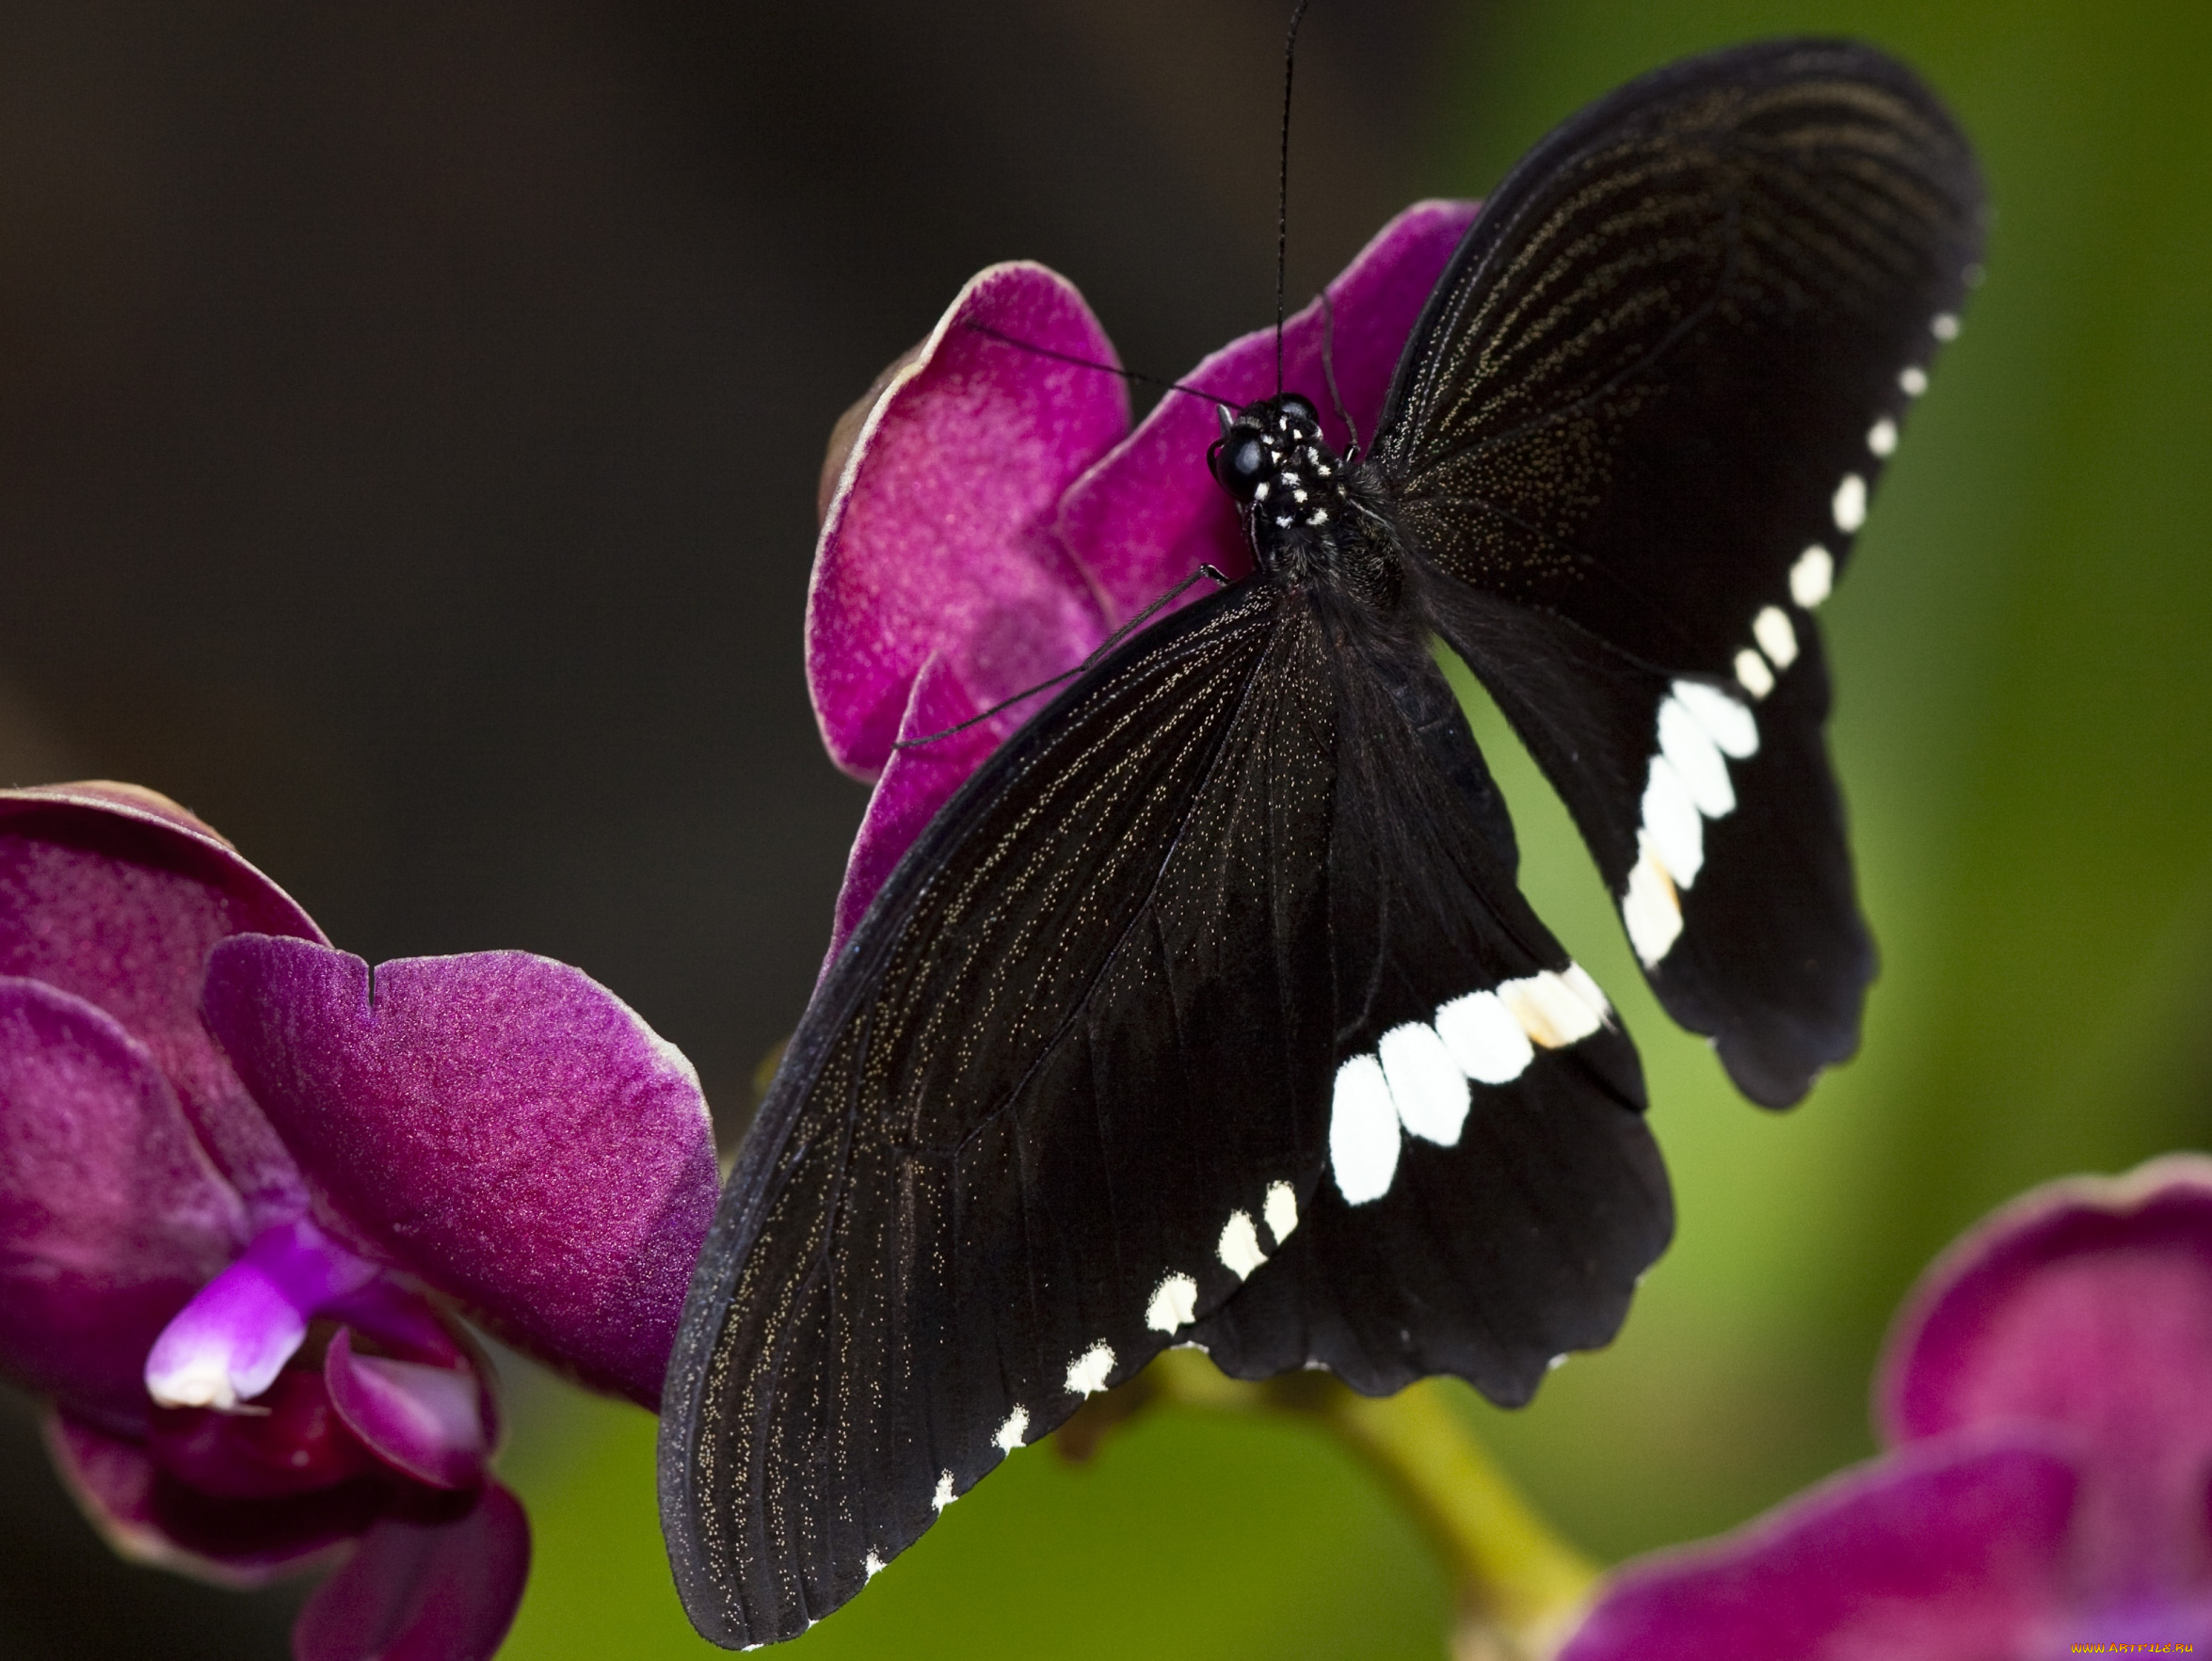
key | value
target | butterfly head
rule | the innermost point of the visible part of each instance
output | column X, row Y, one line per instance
column 1272, row 459
column 1300, row 500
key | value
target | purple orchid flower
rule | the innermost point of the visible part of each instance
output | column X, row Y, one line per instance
column 995, row 519
column 244, row 1185
column 2046, row 1398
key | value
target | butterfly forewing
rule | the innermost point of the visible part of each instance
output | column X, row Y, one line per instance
column 1650, row 399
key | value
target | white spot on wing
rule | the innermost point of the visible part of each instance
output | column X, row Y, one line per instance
column 1776, row 638
column 1673, row 827
column 1691, row 751
column 1578, row 982
column 1944, row 327
column 1913, row 379
column 1012, row 1432
column 1812, row 577
column 1551, row 1009
column 1425, row 1082
column 1173, row 1302
column 1087, row 1373
column 1849, row 504
column 1281, row 1214
column 1753, row 675
column 944, row 1495
column 1556, row 1363
column 1650, row 911
column 1483, row 1038
column 1730, row 720
column 1238, row 1250
column 872, row 1565
column 1881, row 437
column 1363, row 1132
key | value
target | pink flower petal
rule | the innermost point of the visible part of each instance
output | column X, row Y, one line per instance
column 115, row 894
column 994, row 616
column 149, row 1516
column 442, row 1587
column 111, row 1215
column 1948, row 1551
column 2085, row 1305
column 427, row 1421
column 937, row 540
column 1150, row 513
column 497, row 1124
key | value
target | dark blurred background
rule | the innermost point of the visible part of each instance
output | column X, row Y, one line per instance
column 410, row 420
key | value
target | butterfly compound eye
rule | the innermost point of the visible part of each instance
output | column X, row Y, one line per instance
column 1301, row 412
column 1240, row 462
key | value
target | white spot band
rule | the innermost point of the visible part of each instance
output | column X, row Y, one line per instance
column 1088, row 1372
column 1650, row 910
column 1174, row 1302
column 1238, row 1250
column 1363, row 1132
column 1415, row 1083
column 1812, row 577
column 1753, row 675
column 1777, row 638
column 1849, row 504
column 1427, row 1085
column 1485, row 1041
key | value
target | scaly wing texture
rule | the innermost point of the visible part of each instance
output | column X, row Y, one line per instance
column 1164, row 980
column 1641, row 422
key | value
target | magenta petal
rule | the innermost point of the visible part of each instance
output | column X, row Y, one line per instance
column 937, row 542
column 150, row 1517
column 916, row 783
column 2084, row 1305
column 1150, row 513
column 439, row 1589
column 116, row 894
column 111, row 1215
column 292, row 1441
column 427, row 1421
column 1944, row 1553
column 498, row 1124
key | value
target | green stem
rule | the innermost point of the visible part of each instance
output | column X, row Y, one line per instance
column 1519, row 1585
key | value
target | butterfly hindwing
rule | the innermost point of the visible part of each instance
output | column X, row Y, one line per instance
column 1073, row 1089
column 1649, row 400
column 1526, row 1200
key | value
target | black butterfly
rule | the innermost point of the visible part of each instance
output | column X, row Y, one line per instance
column 1210, row 1011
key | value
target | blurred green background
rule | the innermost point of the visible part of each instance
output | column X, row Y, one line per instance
column 2022, row 653
column 409, row 424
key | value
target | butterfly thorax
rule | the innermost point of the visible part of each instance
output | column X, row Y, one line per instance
column 1314, row 519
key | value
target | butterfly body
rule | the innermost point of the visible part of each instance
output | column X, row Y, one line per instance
column 1209, row 1009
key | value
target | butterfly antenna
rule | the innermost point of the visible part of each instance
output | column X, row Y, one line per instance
column 1129, row 375
column 1328, row 369
column 1283, row 187
column 1204, row 573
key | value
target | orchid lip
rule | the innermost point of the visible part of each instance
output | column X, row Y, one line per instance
column 228, row 1345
